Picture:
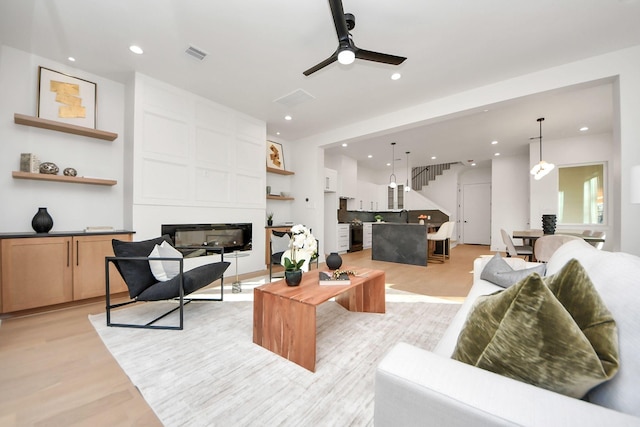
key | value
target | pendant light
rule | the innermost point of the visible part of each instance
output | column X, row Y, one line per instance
column 542, row 168
column 407, row 187
column 392, row 177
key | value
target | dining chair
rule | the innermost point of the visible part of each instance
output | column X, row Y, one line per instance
column 279, row 242
column 546, row 245
column 513, row 250
column 602, row 235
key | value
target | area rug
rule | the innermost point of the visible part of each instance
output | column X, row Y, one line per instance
column 212, row 373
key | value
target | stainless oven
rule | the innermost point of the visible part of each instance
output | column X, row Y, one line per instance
column 355, row 237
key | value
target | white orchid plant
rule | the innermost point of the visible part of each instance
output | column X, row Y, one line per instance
column 303, row 247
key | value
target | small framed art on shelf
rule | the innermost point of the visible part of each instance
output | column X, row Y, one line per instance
column 275, row 155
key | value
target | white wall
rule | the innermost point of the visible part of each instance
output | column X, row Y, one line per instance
column 72, row 206
column 196, row 161
column 509, row 197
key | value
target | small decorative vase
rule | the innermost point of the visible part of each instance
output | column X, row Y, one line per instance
column 334, row 261
column 70, row 172
column 421, row 222
column 49, row 168
column 269, row 222
column 548, row 224
column 293, row 277
column 42, row 221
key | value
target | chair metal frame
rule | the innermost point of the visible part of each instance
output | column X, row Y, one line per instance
column 181, row 298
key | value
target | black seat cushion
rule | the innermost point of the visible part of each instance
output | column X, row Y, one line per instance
column 194, row 279
column 136, row 274
column 276, row 259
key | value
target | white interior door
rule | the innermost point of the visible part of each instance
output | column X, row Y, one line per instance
column 476, row 217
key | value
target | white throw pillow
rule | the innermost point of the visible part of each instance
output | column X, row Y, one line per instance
column 280, row 244
column 164, row 270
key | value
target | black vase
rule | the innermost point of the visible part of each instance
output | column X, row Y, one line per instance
column 42, row 221
column 293, row 277
column 334, row 261
column 548, row 224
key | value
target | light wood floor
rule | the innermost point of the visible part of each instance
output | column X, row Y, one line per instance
column 55, row 370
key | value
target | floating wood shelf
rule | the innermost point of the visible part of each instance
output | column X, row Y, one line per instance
column 37, row 122
column 272, row 197
column 279, row 171
column 63, row 178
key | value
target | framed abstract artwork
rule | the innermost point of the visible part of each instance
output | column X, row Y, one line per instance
column 275, row 156
column 66, row 99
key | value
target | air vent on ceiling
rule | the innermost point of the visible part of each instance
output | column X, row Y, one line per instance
column 196, row 53
column 294, row 98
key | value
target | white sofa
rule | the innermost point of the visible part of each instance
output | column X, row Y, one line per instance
column 415, row 387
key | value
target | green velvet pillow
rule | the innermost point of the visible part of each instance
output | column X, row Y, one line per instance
column 556, row 335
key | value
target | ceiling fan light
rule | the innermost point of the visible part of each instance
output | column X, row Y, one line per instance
column 346, row 56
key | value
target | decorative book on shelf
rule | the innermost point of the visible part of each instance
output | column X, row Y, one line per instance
column 331, row 278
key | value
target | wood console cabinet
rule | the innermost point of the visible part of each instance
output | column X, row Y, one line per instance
column 41, row 271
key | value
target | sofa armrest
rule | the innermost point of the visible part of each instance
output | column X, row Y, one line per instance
column 415, row 387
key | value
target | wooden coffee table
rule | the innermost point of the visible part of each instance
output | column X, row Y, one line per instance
column 284, row 317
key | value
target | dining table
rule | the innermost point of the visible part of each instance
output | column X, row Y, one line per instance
column 530, row 236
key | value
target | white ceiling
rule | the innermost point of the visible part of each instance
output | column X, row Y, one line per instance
column 259, row 49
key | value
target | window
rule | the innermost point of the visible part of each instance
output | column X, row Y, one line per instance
column 581, row 198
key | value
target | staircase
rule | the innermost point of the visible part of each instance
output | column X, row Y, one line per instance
column 421, row 175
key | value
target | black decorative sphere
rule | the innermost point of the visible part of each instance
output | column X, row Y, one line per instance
column 334, row 261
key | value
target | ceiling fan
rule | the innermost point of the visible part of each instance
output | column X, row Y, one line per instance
column 347, row 51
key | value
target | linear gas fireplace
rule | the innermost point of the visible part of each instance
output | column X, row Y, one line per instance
column 193, row 239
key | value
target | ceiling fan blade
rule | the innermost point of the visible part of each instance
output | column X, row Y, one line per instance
column 333, row 58
column 379, row 57
column 339, row 20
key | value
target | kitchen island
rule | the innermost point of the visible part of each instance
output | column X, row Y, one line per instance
column 399, row 242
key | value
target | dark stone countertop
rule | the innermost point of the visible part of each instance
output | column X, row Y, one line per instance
column 27, row 234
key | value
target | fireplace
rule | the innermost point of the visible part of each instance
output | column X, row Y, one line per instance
column 196, row 237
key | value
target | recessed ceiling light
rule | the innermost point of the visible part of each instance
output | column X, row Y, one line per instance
column 473, row 164
column 370, row 156
column 277, row 133
column 396, row 76
column 136, row 49
column 494, row 142
column 344, row 144
column 388, row 164
column 433, row 157
column 72, row 59
column 497, row 154
column 287, row 117
column 584, row 129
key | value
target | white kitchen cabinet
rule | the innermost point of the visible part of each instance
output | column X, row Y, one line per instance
column 367, row 229
column 348, row 177
column 330, row 180
column 343, row 237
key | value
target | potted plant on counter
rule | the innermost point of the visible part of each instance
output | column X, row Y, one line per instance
column 270, row 219
column 378, row 218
